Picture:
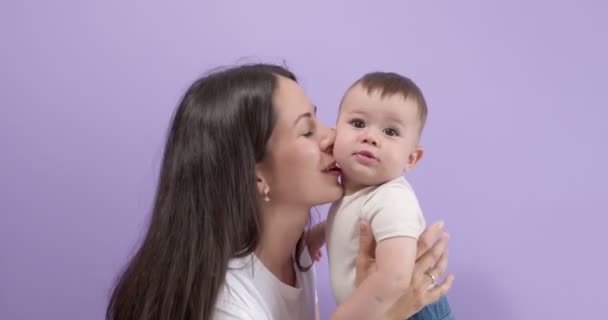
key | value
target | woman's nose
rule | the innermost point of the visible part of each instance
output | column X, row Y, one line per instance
column 328, row 138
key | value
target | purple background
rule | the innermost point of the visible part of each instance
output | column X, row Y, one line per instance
column 515, row 158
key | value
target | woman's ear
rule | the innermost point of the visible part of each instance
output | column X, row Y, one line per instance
column 414, row 158
column 262, row 183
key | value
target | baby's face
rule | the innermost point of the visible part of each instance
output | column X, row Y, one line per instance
column 376, row 137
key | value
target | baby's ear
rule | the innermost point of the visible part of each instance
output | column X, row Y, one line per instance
column 414, row 158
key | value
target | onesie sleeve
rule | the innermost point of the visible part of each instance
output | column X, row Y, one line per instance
column 393, row 211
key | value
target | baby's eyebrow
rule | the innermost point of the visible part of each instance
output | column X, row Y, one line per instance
column 397, row 120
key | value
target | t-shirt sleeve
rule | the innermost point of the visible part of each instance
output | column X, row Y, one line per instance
column 394, row 211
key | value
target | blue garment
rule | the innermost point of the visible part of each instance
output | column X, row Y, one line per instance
column 439, row 310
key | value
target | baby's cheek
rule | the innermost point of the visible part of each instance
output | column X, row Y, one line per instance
column 395, row 164
column 340, row 148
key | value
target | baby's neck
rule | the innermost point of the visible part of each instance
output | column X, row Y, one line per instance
column 350, row 186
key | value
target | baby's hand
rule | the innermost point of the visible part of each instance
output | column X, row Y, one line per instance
column 316, row 256
column 315, row 239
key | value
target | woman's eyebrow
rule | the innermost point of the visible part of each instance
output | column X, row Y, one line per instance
column 302, row 116
column 305, row 115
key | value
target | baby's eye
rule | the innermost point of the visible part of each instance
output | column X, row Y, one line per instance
column 308, row 134
column 391, row 132
column 357, row 123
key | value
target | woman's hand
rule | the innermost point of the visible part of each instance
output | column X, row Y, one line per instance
column 432, row 259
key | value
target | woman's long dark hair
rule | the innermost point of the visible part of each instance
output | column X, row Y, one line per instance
column 206, row 205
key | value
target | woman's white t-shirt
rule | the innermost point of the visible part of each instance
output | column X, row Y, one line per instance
column 252, row 292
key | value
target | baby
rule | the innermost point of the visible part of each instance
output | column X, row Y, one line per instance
column 378, row 132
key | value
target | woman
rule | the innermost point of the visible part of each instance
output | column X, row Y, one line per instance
column 245, row 161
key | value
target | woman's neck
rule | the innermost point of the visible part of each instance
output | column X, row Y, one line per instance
column 281, row 230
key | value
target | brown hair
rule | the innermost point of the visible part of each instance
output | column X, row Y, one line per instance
column 205, row 209
column 391, row 83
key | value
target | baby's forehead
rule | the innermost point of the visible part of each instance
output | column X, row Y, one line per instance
column 360, row 93
column 402, row 113
column 394, row 105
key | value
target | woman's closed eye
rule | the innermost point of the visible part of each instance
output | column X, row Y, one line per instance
column 310, row 129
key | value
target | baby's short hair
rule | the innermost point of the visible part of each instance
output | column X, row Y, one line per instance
column 391, row 83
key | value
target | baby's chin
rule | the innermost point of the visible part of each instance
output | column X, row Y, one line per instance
column 356, row 178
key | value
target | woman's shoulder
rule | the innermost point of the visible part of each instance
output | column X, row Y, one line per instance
column 239, row 297
column 250, row 291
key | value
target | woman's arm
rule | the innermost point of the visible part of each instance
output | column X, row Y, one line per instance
column 431, row 257
column 376, row 294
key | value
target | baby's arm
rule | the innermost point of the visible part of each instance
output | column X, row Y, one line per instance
column 395, row 259
column 315, row 239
